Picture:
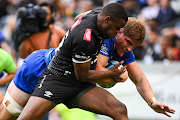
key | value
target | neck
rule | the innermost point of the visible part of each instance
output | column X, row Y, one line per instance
column 99, row 24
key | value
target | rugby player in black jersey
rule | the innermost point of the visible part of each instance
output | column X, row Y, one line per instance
column 70, row 76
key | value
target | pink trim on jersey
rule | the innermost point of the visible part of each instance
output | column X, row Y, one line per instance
column 76, row 23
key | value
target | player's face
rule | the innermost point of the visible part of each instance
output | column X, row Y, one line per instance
column 112, row 28
column 123, row 44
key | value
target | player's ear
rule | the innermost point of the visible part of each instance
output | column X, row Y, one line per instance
column 107, row 19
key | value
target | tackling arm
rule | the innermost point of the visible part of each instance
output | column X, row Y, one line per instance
column 84, row 74
column 145, row 90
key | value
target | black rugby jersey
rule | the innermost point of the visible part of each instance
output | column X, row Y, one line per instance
column 80, row 44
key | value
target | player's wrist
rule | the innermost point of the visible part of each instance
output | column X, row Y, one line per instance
column 151, row 101
column 111, row 76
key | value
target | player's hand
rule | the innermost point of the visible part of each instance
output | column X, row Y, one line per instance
column 116, row 72
column 120, row 79
column 162, row 108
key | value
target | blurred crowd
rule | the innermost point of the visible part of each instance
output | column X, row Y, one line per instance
column 160, row 17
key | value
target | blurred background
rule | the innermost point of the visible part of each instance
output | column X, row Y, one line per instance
column 158, row 57
column 161, row 19
column 164, row 80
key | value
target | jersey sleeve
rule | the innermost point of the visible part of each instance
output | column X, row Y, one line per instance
column 105, row 48
column 128, row 57
column 83, row 46
column 49, row 55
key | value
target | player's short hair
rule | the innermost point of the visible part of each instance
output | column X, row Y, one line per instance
column 135, row 30
column 116, row 11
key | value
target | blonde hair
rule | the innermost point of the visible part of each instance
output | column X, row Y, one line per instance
column 135, row 30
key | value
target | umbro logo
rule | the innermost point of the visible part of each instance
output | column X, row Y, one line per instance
column 40, row 85
column 48, row 94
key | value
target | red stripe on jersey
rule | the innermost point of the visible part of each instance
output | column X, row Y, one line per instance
column 121, row 55
column 76, row 23
column 87, row 35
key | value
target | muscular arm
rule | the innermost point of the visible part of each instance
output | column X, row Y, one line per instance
column 84, row 74
column 140, row 80
column 145, row 90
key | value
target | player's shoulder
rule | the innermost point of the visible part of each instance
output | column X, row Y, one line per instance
column 128, row 53
column 96, row 10
column 84, row 29
column 109, row 43
column 110, row 40
column 85, row 35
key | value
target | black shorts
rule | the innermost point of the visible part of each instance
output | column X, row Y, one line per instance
column 61, row 89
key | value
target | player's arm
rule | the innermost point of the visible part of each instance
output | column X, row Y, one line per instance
column 101, row 63
column 10, row 68
column 84, row 74
column 7, row 78
column 82, row 61
column 145, row 90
